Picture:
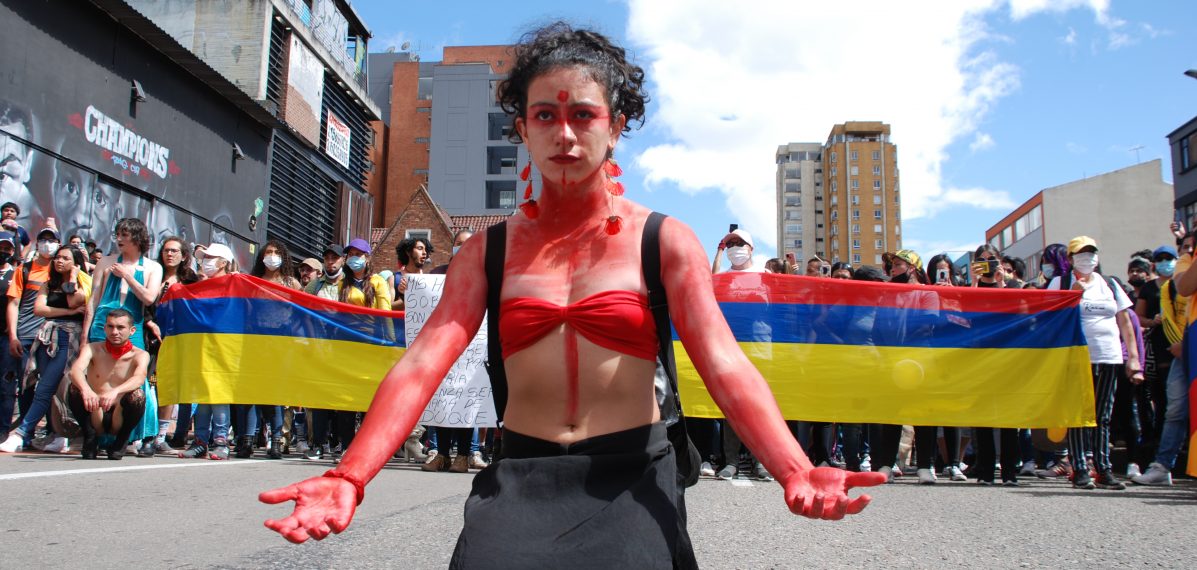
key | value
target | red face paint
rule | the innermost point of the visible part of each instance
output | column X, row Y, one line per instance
column 563, row 96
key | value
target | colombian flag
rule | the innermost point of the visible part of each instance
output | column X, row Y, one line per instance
column 1189, row 352
column 241, row 339
column 854, row 351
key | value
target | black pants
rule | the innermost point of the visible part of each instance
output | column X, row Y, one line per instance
column 702, row 432
column 132, row 406
column 884, row 440
column 446, row 437
column 926, row 445
column 983, row 443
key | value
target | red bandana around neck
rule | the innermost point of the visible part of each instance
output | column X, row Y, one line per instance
column 118, row 351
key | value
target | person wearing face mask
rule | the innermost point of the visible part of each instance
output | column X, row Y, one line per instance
column 327, row 284
column 413, row 254
column 738, row 245
column 175, row 260
column 1104, row 320
column 212, row 420
column 459, row 240
column 23, row 324
column 1151, row 280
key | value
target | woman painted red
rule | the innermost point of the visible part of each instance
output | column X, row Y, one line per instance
column 578, row 246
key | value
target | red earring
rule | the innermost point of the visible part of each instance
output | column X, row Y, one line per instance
column 529, row 208
column 615, row 188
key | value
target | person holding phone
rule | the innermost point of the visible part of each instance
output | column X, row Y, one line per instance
column 986, row 268
column 987, row 272
column 926, row 438
column 738, row 244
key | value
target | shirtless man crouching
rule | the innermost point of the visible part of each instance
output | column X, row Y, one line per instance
column 105, row 393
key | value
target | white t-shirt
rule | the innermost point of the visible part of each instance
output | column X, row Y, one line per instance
column 1099, row 308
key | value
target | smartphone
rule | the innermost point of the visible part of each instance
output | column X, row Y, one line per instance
column 986, row 266
column 942, row 276
column 825, row 270
column 732, row 227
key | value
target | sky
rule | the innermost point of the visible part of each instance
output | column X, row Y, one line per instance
column 989, row 101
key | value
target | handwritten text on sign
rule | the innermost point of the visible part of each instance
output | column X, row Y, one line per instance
column 463, row 398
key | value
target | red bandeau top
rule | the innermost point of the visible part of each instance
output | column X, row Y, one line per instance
column 615, row 320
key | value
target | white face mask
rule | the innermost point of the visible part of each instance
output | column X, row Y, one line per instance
column 739, row 255
column 456, row 249
column 1085, row 263
column 47, row 247
column 272, row 262
column 208, row 267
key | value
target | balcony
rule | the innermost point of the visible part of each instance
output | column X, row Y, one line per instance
column 327, row 30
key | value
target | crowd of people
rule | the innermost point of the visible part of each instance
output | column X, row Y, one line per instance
column 58, row 291
column 81, row 345
column 1134, row 332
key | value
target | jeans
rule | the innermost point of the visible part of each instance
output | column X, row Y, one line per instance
column 24, row 397
column 1176, row 418
column 211, row 422
column 272, row 416
column 50, row 374
column 245, row 420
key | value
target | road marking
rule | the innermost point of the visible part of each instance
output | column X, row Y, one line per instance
column 14, row 476
column 741, row 483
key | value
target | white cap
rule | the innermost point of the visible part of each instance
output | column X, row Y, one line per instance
column 219, row 250
column 742, row 235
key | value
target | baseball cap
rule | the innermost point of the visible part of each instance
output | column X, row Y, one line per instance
column 1081, row 242
column 313, row 263
column 1162, row 250
column 335, row 248
column 358, row 244
column 219, row 250
column 8, row 237
column 742, row 235
column 909, row 256
column 52, row 231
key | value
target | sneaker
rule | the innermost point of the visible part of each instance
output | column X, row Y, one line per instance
column 1028, row 468
column 1010, row 483
column 762, row 473
column 163, row 448
column 146, row 449
column 926, row 477
column 436, row 463
column 1132, row 470
column 301, row 446
column 706, row 470
column 476, row 461
column 1082, row 480
column 197, row 450
column 865, row 466
column 314, row 453
column 1059, row 469
column 40, row 443
column 955, row 473
column 1156, row 475
column 116, row 451
column 1107, row 480
column 219, row 450
column 727, row 473
column 13, row 444
column 888, row 472
column 57, row 444
column 984, row 483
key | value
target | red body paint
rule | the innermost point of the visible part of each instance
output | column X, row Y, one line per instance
column 563, row 95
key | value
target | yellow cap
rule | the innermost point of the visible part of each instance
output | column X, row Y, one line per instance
column 1081, row 242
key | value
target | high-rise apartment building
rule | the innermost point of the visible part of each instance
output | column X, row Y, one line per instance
column 854, row 203
column 799, row 199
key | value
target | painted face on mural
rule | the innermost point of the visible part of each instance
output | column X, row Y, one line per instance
column 15, row 164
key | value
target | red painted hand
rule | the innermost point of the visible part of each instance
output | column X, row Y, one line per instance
column 323, row 505
column 822, row 492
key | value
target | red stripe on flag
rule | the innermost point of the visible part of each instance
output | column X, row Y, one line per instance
column 242, row 285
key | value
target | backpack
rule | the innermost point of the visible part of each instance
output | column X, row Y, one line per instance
column 1066, row 284
column 665, row 380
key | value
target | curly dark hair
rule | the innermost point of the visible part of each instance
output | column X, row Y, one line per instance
column 286, row 269
column 403, row 250
column 185, row 274
column 54, row 283
column 137, row 231
column 559, row 45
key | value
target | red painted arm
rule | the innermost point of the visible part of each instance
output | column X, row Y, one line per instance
column 739, row 389
column 326, row 504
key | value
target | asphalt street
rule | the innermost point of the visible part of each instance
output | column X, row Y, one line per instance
column 60, row 511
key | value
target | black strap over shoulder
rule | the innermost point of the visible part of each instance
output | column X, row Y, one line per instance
column 496, row 257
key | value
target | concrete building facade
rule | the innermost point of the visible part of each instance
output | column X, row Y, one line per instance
column 840, row 200
column 1124, row 211
column 799, row 199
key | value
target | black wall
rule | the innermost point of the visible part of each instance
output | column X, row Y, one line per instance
column 61, row 63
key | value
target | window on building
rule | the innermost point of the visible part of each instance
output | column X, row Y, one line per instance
column 855, row 183
column 876, row 214
column 835, row 244
column 855, row 214
column 500, row 194
column 498, row 126
column 996, row 241
column 793, row 201
column 852, row 155
column 877, row 199
column 856, row 258
column 834, row 171
column 876, row 169
column 793, row 215
column 793, row 228
column 835, row 215
column 876, row 185
column 1186, row 154
column 792, row 187
column 855, row 199
column 1008, row 236
column 855, row 170
column 418, row 233
column 421, row 140
column 877, row 156
column 877, row 259
column 833, row 185
column 855, row 244
column 897, row 230
column 877, row 243
column 833, row 158
column 855, row 228
column 1036, row 218
column 501, row 160
column 798, row 243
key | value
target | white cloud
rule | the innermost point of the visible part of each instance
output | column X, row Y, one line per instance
column 1069, row 39
column 981, row 142
column 787, row 72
